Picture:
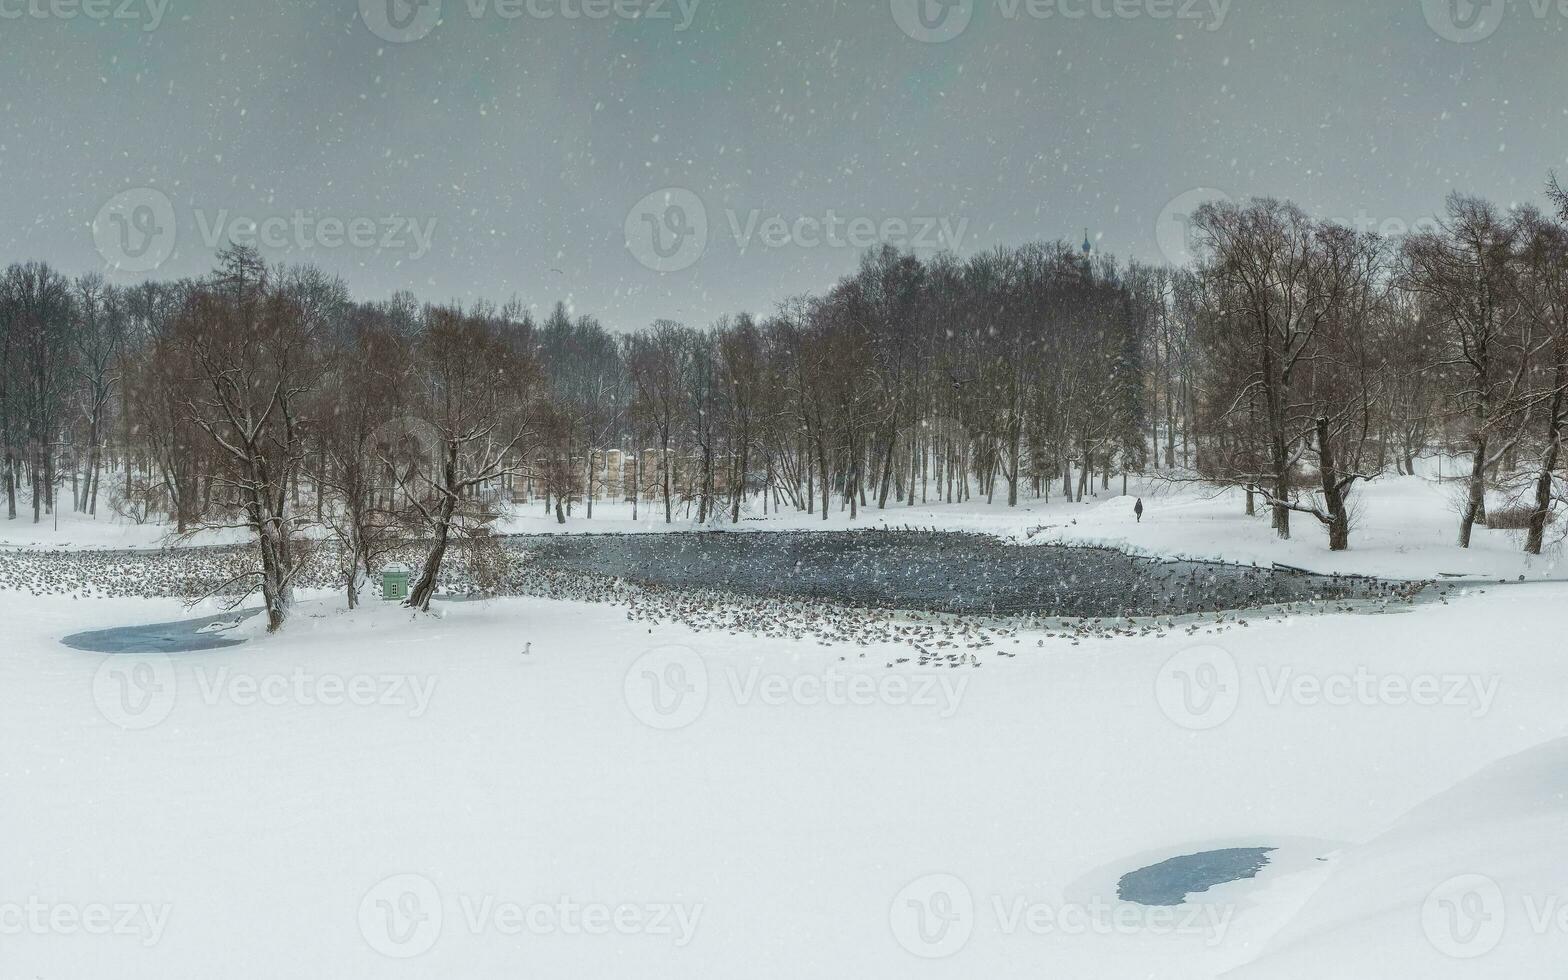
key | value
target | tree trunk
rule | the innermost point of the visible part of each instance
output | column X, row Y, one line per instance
column 267, row 518
column 10, row 486
column 1333, row 495
column 822, row 464
column 95, row 465
column 1554, row 440
column 1543, row 497
column 1475, row 503
column 357, row 559
column 740, row 482
column 1015, row 453
column 887, row 473
column 664, row 463
column 425, row 587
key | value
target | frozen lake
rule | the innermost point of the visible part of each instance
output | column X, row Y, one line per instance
column 941, row 572
column 914, row 570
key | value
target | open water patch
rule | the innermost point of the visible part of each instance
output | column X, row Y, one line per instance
column 1170, row 882
column 185, row 636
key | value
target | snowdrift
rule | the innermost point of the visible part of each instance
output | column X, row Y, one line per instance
column 1472, row 883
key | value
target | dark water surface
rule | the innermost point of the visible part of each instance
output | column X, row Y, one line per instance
column 945, row 572
column 182, row 637
column 1170, row 882
column 912, row 570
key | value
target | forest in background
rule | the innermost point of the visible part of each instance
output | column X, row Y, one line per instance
column 1295, row 360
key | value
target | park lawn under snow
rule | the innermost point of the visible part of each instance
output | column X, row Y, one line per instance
column 377, row 794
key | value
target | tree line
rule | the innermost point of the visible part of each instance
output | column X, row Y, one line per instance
column 1296, row 359
column 1331, row 355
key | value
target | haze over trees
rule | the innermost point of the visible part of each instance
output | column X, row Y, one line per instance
column 1296, row 360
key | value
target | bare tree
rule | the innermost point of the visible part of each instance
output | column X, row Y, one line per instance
column 365, row 374
column 38, row 301
column 102, row 323
column 1263, row 254
column 248, row 357
column 1466, row 273
column 741, row 385
column 659, row 364
column 473, row 390
column 1543, row 259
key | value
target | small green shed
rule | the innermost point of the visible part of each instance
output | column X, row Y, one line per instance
column 394, row 582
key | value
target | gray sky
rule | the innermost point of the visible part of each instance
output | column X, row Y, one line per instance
column 533, row 142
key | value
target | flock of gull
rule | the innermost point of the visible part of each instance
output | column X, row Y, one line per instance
column 947, row 600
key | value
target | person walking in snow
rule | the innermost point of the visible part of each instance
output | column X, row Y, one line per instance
column 1137, row 510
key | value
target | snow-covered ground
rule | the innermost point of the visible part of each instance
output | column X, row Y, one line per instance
column 530, row 787
column 79, row 532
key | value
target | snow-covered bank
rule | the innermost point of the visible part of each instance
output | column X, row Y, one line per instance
column 1405, row 527
column 380, row 794
column 71, row 531
column 1474, row 882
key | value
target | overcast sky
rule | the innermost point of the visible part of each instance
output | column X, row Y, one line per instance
column 466, row 149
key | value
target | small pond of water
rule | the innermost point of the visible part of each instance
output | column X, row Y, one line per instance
column 182, row 637
column 1170, row 882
